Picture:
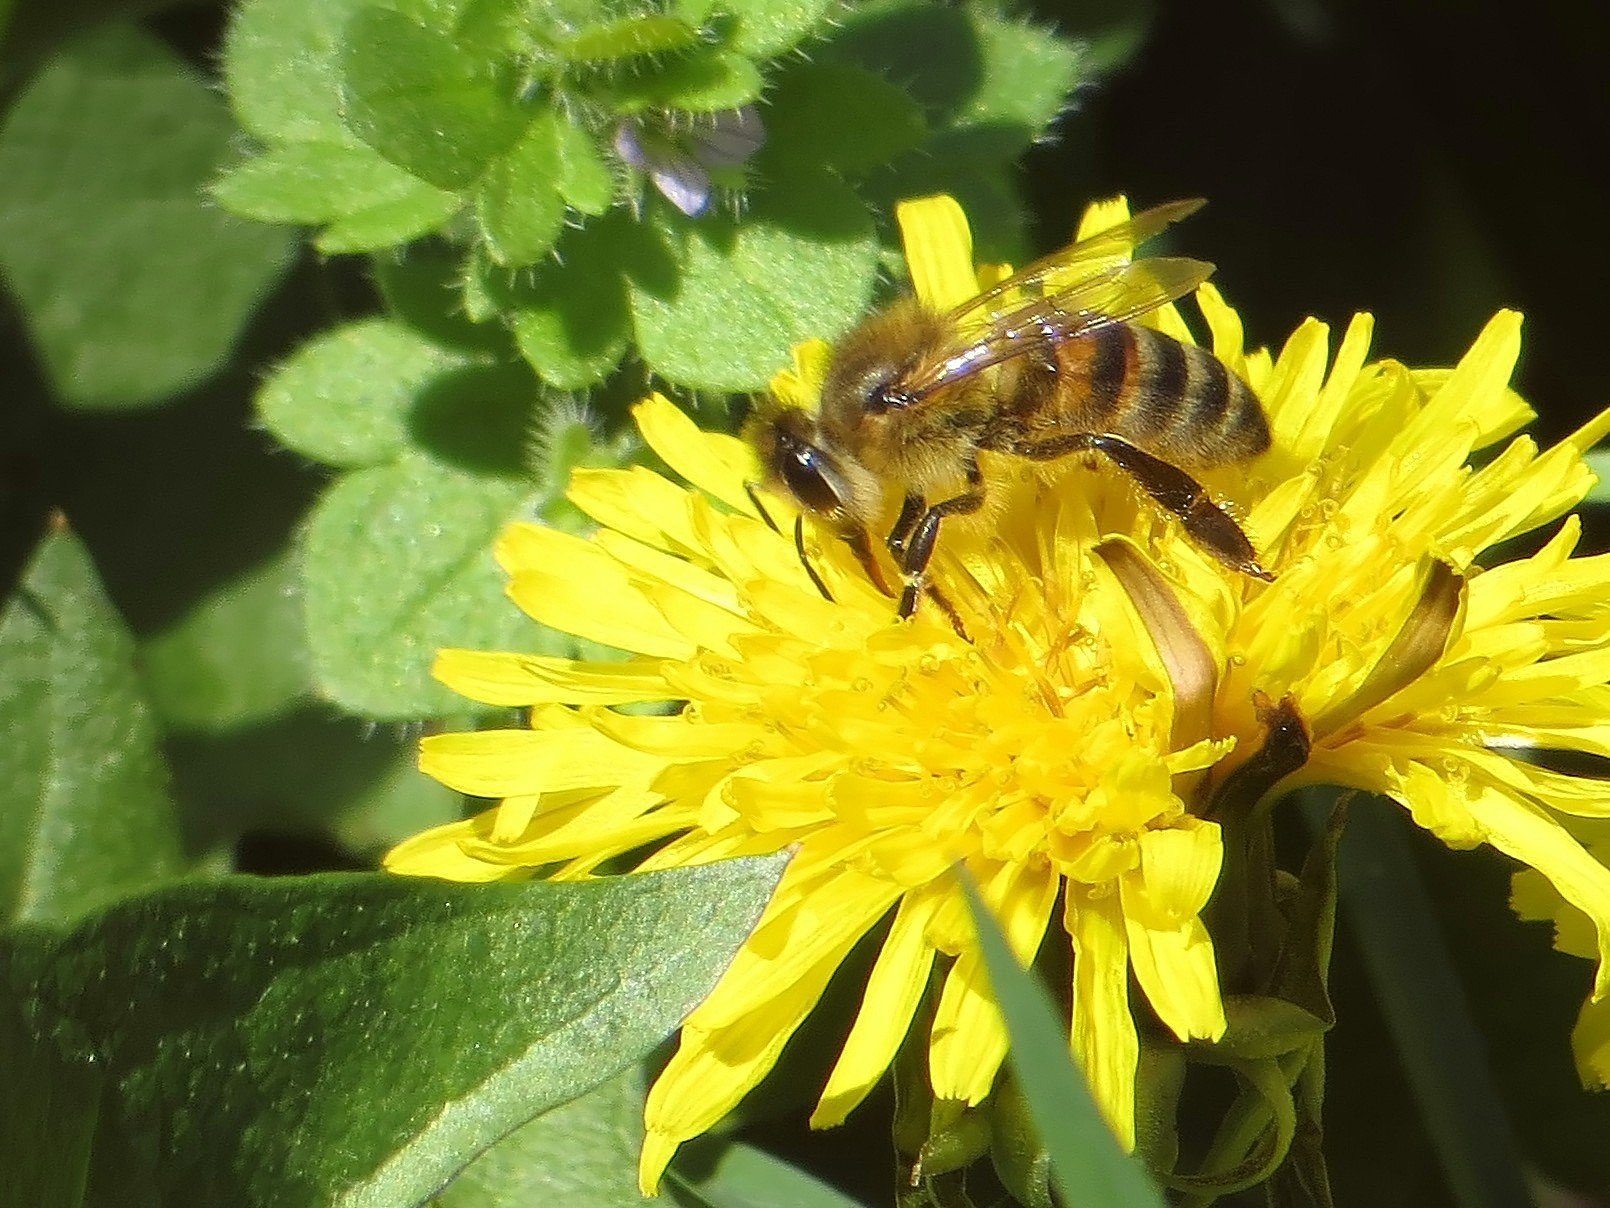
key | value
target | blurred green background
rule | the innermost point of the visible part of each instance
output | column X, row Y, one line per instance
column 1429, row 162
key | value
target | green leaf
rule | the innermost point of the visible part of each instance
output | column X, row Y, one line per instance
column 571, row 317
column 1393, row 920
column 713, row 1172
column 700, row 81
column 359, row 1039
column 1027, row 75
column 345, row 397
column 1087, row 1166
column 582, row 1155
column 840, row 116
column 235, row 658
column 133, row 284
column 802, row 264
column 585, row 178
column 628, row 37
column 421, row 285
column 86, row 813
column 767, row 28
column 1599, row 462
column 282, row 68
column 397, row 563
column 306, row 772
column 345, row 185
column 518, row 200
column 424, row 103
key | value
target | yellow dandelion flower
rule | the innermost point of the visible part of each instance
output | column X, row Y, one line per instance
column 1111, row 681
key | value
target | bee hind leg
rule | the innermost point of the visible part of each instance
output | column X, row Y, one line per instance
column 1207, row 524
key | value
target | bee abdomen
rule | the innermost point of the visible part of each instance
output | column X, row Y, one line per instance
column 1180, row 403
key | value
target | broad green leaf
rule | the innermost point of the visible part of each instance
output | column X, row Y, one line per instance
column 423, row 102
column 397, row 563
column 713, row 1172
column 86, row 813
column 346, row 397
column 334, row 183
column 766, row 28
column 133, row 284
column 1087, row 1166
column 570, row 317
column 699, row 81
column 800, row 265
column 282, row 68
column 518, row 200
column 628, row 37
column 582, row 1154
column 841, row 116
column 237, row 657
column 360, row 1039
column 1393, row 920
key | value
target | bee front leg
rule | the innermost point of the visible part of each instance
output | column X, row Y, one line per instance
column 918, row 548
column 911, row 511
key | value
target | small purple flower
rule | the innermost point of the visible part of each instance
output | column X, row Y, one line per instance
column 679, row 157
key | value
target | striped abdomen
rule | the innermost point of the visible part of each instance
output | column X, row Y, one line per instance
column 1172, row 400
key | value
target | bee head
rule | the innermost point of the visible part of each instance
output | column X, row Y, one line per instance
column 788, row 443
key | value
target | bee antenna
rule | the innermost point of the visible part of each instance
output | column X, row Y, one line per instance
column 804, row 558
column 754, row 498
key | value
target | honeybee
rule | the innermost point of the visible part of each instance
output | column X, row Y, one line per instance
column 1043, row 365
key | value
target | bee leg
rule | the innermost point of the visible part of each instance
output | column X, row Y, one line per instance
column 861, row 546
column 1207, row 524
column 911, row 512
column 919, row 547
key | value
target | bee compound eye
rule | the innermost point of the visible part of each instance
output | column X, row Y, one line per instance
column 805, row 475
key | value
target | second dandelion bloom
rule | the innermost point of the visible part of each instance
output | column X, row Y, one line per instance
column 1063, row 735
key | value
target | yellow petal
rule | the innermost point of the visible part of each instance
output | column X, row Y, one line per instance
column 439, row 852
column 895, row 988
column 718, row 465
column 801, row 385
column 939, row 251
column 509, row 763
column 1102, row 1034
column 969, row 1037
column 1590, row 1045
column 496, row 678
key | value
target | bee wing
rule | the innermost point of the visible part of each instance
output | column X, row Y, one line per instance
column 1117, row 294
column 1087, row 258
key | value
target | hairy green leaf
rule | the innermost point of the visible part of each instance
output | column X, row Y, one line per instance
column 397, row 563
column 133, row 285
column 345, row 397
column 282, row 68
column 628, row 37
column 441, row 111
column 344, row 186
column 698, row 81
column 519, row 201
column 765, row 28
column 86, row 813
column 570, row 317
column 801, row 264
column 842, row 116
column 360, row 1039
